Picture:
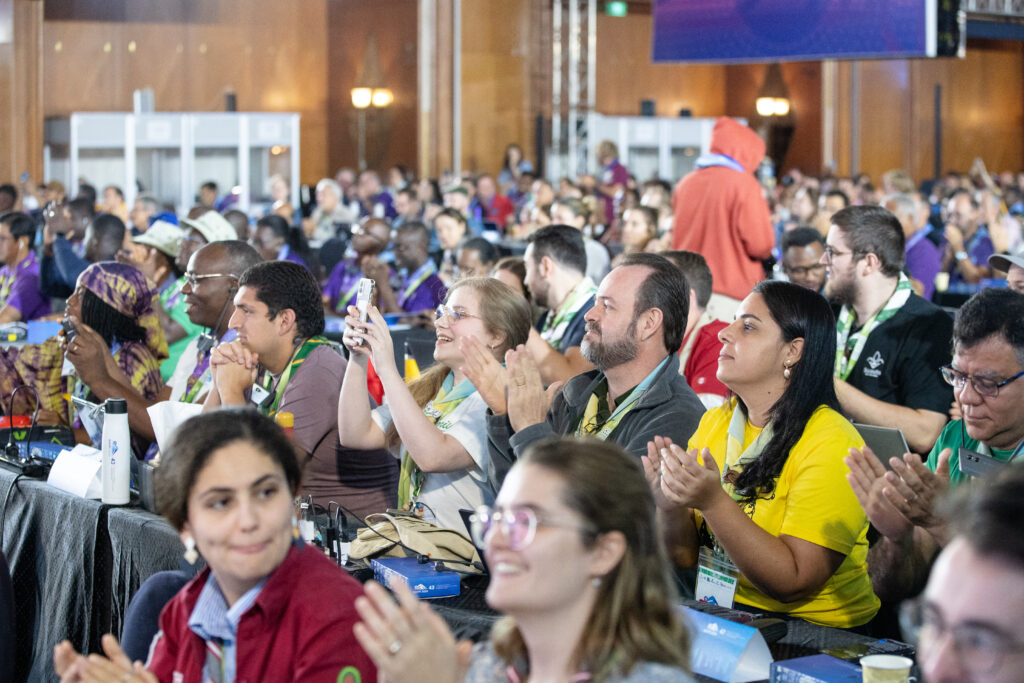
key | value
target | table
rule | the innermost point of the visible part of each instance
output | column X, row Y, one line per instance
column 75, row 563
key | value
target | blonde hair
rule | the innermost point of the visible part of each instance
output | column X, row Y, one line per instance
column 634, row 617
column 503, row 311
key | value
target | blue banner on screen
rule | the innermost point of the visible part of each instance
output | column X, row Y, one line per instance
column 770, row 30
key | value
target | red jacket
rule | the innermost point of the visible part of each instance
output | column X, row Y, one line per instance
column 719, row 212
column 299, row 629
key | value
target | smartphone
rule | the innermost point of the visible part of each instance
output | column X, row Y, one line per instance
column 978, row 464
column 69, row 329
column 363, row 297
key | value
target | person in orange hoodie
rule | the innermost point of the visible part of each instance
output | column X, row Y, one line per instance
column 719, row 212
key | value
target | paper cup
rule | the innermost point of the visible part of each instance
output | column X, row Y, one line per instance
column 885, row 669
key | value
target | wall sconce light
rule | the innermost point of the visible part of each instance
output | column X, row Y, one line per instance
column 362, row 97
column 382, row 97
column 773, row 97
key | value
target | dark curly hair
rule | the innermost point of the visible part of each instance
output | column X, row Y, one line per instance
column 283, row 284
column 993, row 311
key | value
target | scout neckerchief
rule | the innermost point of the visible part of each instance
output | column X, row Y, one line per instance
column 449, row 397
column 201, row 375
column 415, row 280
column 736, row 457
column 174, row 293
column 8, row 281
column 588, row 423
column 344, row 300
column 849, row 346
column 557, row 322
column 300, row 355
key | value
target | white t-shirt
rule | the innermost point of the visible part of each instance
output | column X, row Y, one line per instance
column 446, row 492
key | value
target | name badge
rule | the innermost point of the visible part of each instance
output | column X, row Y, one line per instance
column 260, row 396
column 717, row 577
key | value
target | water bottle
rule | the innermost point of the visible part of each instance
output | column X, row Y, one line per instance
column 117, row 452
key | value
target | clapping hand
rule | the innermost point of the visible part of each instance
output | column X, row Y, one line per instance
column 527, row 400
column 868, row 481
column 484, row 371
column 689, row 478
column 407, row 640
column 116, row 667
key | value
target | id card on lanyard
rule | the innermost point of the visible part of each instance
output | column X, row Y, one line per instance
column 717, row 577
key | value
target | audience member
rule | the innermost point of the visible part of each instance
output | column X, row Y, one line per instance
column 451, row 229
column 720, row 213
column 408, row 207
column 636, row 391
column 435, row 423
column 158, row 250
column 512, row 168
column 275, row 240
column 577, row 571
column 240, row 221
column 968, row 245
column 1013, row 266
column 496, row 207
column 374, row 201
column 369, row 241
column 476, row 257
column 419, row 287
column 967, row 620
column 330, row 213
column 555, row 260
column 260, row 613
column 802, row 249
column 891, row 341
column 8, row 198
column 145, row 207
column 113, row 320
column 574, row 212
column 613, row 181
column 698, row 356
column 20, row 298
column 281, row 363
column 211, row 282
column 762, row 482
column 512, row 271
column 639, row 230
column 923, row 256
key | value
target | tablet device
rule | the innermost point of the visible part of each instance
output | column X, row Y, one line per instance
column 886, row 442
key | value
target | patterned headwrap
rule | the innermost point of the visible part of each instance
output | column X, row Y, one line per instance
column 124, row 289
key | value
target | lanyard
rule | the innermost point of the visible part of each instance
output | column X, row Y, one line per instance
column 304, row 350
column 917, row 237
column 202, row 370
column 449, row 397
column 588, row 423
column 343, row 301
column 557, row 322
column 849, row 346
column 737, row 457
column 416, row 279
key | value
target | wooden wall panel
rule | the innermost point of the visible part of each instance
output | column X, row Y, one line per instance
column 269, row 53
column 372, row 41
column 626, row 75
column 495, row 82
column 885, row 140
column 21, row 124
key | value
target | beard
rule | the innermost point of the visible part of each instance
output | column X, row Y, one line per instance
column 610, row 354
column 842, row 292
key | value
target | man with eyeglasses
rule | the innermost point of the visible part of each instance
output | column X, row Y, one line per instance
column 890, row 342
column 210, row 282
column 967, row 621
column 802, row 249
column 987, row 375
column 369, row 241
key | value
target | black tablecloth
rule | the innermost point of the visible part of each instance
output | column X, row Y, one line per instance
column 74, row 565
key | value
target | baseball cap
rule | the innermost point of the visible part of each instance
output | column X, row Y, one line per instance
column 1004, row 261
column 163, row 236
column 212, row 226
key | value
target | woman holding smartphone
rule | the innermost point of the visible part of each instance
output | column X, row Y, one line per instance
column 436, row 423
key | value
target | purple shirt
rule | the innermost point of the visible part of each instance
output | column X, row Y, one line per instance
column 924, row 260
column 381, row 206
column 20, row 289
column 286, row 254
column 613, row 174
column 343, row 284
column 427, row 295
column 978, row 247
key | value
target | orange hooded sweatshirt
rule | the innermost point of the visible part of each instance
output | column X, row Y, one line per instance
column 719, row 212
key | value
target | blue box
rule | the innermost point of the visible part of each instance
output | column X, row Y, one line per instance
column 815, row 669
column 424, row 579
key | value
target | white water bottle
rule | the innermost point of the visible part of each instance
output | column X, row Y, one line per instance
column 117, row 452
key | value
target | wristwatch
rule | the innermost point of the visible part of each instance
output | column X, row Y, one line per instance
column 960, row 255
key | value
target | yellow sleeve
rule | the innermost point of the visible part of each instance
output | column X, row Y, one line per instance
column 820, row 504
column 712, row 432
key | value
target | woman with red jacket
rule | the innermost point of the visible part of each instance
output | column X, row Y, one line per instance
column 267, row 607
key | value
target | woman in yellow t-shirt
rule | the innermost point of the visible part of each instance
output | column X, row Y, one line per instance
column 763, row 480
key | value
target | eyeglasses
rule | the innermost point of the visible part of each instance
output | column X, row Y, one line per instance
column 454, row 315
column 191, row 238
column 191, row 279
column 519, row 525
column 982, row 385
column 802, row 271
column 831, row 254
column 980, row 648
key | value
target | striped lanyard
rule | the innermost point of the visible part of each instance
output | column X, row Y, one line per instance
column 849, row 346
